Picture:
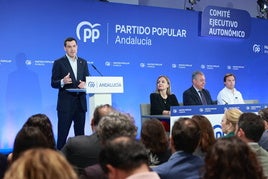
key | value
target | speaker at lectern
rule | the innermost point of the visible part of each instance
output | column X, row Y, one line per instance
column 101, row 89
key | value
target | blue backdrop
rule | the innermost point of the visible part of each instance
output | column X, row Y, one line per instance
column 136, row 42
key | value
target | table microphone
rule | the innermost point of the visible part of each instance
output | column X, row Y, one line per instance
column 224, row 101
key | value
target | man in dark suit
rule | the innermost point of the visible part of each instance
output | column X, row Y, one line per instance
column 68, row 72
column 196, row 94
column 82, row 151
column 182, row 163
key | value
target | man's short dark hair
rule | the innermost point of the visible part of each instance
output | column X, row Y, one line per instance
column 123, row 153
column 252, row 125
column 97, row 115
column 227, row 75
column 185, row 134
column 69, row 39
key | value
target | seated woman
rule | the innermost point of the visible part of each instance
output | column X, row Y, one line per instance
column 162, row 99
column 229, row 121
column 154, row 137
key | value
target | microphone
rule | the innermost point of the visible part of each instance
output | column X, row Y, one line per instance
column 224, row 101
column 95, row 68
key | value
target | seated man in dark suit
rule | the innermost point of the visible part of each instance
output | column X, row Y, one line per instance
column 184, row 139
column 82, row 151
column 196, row 94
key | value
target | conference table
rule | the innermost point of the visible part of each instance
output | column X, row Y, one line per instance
column 213, row 112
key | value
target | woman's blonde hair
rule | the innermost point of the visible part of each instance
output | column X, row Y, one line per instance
column 232, row 115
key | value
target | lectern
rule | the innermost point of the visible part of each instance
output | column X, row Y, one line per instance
column 100, row 89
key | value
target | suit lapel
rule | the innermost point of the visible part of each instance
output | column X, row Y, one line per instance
column 79, row 69
column 197, row 97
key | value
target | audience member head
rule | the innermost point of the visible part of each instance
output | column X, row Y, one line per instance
column 163, row 82
column 185, row 135
column 44, row 124
column 122, row 157
column 230, row 120
column 232, row 158
column 250, row 127
column 153, row 136
column 116, row 124
column 27, row 138
column 264, row 115
column 207, row 138
column 41, row 164
column 198, row 80
column 99, row 112
column 229, row 80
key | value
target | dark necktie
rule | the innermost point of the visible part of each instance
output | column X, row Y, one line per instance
column 203, row 99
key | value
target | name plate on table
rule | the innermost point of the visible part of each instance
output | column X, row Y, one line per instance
column 104, row 84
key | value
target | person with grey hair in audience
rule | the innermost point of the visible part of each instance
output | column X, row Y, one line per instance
column 185, row 137
column 113, row 125
column 125, row 157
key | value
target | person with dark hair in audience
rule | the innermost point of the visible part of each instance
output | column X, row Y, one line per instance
column 185, row 137
column 196, row 94
column 110, row 126
column 207, row 138
column 41, row 164
column 229, row 121
column 44, row 124
column 229, row 95
column 250, row 129
column 27, row 138
column 232, row 158
column 162, row 98
column 263, row 142
column 154, row 137
column 82, row 151
column 125, row 157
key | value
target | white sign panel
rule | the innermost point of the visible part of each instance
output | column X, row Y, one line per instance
column 104, row 84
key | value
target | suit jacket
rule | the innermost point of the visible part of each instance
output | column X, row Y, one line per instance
column 93, row 172
column 181, row 165
column 263, row 142
column 262, row 156
column 191, row 97
column 158, row 105
column 61, row 68
column 82, row 151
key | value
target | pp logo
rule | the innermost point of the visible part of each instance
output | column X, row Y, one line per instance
column 218, row 131
column 28, row 62
column 256, row 48
column 89, row 32
column 91, row 84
